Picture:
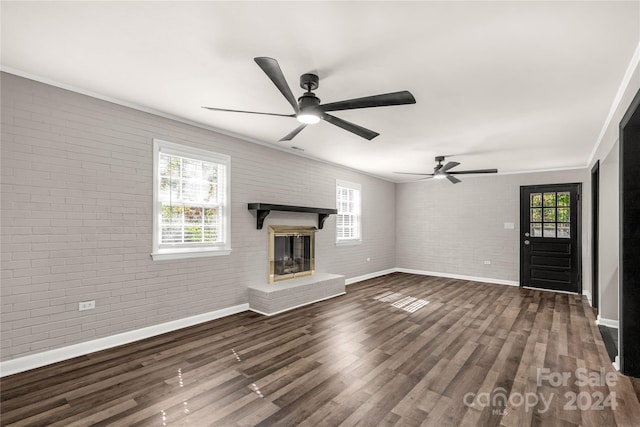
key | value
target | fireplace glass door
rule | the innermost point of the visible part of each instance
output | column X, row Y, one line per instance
column 291, row 252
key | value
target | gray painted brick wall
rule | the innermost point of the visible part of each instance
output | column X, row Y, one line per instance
column 453, row 229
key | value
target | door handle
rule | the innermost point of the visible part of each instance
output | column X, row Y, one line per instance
column 526, row 242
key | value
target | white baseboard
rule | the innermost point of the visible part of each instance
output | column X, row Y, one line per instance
column 610, row 323
column 459, row 276
column 588, row 295
column 369, row 276
column 49, row 357
column 33, row 361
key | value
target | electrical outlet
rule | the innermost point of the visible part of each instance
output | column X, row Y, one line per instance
column 86, row 305
column 487, row 263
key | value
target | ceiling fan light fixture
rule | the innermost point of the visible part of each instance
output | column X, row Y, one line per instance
column 308, row 117
column 308, row 113
column 439, row 176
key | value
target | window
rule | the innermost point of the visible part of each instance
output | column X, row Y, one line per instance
column 348, row 220
column 550, row 214
column 191, row 202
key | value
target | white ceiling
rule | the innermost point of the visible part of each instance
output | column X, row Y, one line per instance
column 518, row 86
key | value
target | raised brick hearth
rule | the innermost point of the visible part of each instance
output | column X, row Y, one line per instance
column 274, row 298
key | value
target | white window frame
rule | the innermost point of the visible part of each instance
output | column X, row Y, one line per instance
column 200, row 250
column 357, row 188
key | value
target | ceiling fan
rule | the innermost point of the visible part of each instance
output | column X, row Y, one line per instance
column 441, row 172
column 308, row 110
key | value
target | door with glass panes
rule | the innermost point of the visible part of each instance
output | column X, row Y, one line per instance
column 550, row 237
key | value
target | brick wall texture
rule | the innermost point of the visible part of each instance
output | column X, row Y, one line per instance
column 453, row 229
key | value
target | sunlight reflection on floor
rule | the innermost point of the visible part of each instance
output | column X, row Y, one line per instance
column 406, row 303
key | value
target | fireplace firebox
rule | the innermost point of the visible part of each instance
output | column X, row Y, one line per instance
column 291, row 252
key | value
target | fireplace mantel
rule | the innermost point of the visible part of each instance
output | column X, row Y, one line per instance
column 264, row 209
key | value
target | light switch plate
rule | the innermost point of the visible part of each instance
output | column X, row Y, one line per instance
column 86, row 305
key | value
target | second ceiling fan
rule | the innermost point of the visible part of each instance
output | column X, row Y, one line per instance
column 308, row 110
column 441, row 171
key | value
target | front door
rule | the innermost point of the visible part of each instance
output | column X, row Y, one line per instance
column 550, row 237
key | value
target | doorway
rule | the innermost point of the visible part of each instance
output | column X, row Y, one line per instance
column 629, row 265
column 550, row 237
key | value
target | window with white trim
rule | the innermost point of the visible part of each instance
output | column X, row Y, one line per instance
column 348, row 220
column 191, row 202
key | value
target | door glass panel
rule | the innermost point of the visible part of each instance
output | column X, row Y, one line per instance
column 549, row 214
column 536, row 230
column 536, row 200
column 549, row 199
column 549, row 230
column 564, row 199
column 536, row 215
column 564, row 230
column 563, row 214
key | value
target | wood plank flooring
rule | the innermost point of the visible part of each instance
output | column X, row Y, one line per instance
column 398, row 350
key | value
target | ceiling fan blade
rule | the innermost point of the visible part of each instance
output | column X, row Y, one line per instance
column 358, row 130
column 449, row 166
column 413, row 173
column 453, row 179
column 250, row 112
column 272, row 69
column 293, row 133
column 475, row 171
column 395, row 98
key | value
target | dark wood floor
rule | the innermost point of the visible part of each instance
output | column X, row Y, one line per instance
column 380, row 355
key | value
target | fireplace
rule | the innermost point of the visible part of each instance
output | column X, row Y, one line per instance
column 291, row 252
